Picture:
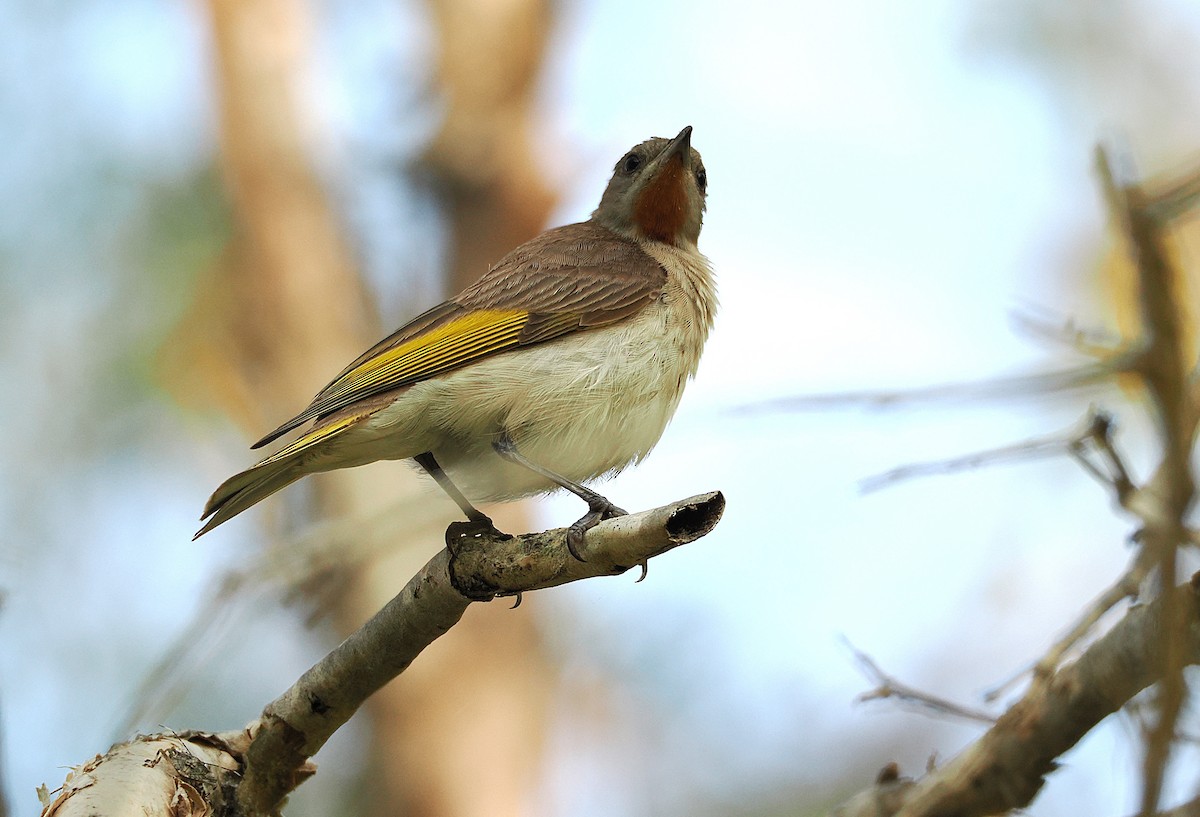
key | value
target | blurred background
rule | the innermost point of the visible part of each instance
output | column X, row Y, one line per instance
column 210, row 207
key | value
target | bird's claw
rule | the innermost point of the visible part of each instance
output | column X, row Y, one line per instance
column 598, row 511
column 481, row 528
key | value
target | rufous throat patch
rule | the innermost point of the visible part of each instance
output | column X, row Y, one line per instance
column 662, row 207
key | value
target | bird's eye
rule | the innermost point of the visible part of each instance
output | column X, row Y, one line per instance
column 632, row 162
column 701, row 179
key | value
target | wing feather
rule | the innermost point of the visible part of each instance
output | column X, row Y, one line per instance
column 569, row 279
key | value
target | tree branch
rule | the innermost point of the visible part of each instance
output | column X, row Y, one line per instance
column 272, row 753
column 1071, row 442
column 294, row 726
column 1007, row 766
column 1165, row 367
column 887, row 686
column 152, row 776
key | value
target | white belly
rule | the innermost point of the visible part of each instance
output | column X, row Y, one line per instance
column 584, row 406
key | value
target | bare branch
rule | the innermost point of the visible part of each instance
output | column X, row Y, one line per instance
column 1006, row 767
column 1126, row 587
column 169, row 775
column 889, row 687
column 996, row 388
column 1053, row 445
column 1152, row 644
column 294, row 726
column 1165, row 368
column 1169, row 200
column 1113, row 472
column 270, row 757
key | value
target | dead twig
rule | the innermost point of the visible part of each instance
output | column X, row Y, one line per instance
column 1070, row 442
column 995, row 388
column 1165, row 369
column 888, row 687
column 1096, row 343
column 1007, row 766
column 1167, row 201
column 1153, row 642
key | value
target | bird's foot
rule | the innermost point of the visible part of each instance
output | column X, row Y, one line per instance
column 599, row 509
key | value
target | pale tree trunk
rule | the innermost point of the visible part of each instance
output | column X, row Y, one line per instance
column 462, row 733
column 484, row 159
column 287, row 311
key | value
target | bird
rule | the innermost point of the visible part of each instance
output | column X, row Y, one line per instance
column 562, row 364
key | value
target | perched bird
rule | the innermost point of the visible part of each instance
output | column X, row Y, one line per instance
column 563, row 363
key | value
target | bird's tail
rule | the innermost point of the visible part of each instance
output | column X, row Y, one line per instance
column 258, row 482
column 248, row 488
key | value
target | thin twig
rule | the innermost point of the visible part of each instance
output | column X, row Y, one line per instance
column 1114, row 474
column 1007, row 766
column 996, row 388
column 1096, row 343
column 1126, row 587
column 888, row 687
column 1053, row 445
column 1171, row 200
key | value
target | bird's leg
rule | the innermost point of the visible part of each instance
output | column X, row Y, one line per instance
column 599, row 508
column 431, row 466
column 478, row 523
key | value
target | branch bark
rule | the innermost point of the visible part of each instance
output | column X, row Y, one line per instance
column 185, row 775
column 272, row 754
column 1165, row 367
column 1007, row 766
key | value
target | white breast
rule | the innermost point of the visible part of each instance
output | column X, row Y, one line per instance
column 585, row 405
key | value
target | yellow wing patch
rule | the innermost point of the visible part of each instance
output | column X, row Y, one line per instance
column 459, row 341
column 311, row 438
column 466, row 338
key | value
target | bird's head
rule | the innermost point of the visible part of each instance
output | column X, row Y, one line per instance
column 657, row 192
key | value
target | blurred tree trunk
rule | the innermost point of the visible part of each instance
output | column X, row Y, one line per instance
column 484, row 159
column 462, row 731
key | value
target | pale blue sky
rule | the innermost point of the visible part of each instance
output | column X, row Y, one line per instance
column 884, row 193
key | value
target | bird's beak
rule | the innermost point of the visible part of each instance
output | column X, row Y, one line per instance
column 678, row 148
column 681, row 146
